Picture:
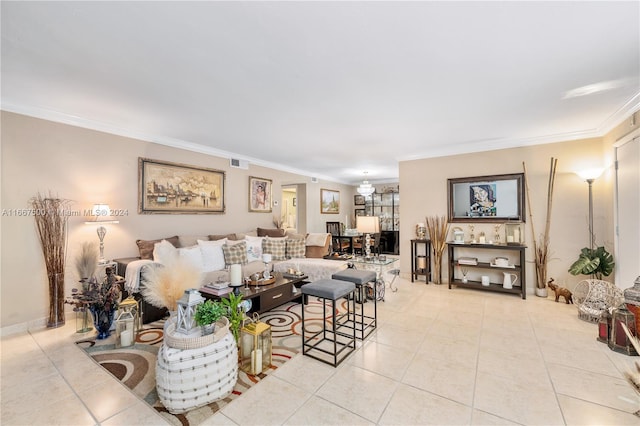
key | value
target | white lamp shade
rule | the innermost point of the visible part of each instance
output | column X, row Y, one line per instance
column 368, row 224
column 101, row 213
column 590, row 174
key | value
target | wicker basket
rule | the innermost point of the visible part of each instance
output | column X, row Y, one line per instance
column 179, row 341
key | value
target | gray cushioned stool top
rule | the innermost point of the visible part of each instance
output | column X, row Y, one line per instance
column 355, row 276
column 328, row 289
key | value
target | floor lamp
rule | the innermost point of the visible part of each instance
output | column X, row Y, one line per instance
column 590, row 176
column 101, row 214
column 368, row 225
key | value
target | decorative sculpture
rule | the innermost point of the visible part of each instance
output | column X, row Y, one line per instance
column 560, row 291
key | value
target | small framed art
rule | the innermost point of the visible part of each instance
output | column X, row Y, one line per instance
column 260, row 194
column 329, row 201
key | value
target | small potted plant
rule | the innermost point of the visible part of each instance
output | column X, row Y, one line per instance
column 207, row 314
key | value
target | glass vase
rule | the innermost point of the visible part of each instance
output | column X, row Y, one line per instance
column 102, row 320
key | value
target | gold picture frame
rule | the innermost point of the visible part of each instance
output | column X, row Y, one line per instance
column 174, row 188
column 329, row 201
column 260, row 194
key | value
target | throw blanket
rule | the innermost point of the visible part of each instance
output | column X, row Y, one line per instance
column 132, row 275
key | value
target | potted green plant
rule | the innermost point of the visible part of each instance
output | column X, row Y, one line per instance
column 234, row 313
column 207, row 314
column 598, row 262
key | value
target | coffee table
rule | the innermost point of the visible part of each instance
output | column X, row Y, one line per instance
column 263, row 298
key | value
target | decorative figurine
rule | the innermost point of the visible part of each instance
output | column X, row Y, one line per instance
column 560, row 291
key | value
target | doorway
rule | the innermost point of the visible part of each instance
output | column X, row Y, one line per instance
column 290, row 208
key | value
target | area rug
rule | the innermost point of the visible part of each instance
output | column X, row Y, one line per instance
column 135, row 366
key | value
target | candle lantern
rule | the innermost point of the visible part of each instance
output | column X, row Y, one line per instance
column 255, row 347
column 618, row 339
column 514, row 233
column 187, row 309
column 421, row 231
column 604, row 326
column 130, row 304
column 125, row 329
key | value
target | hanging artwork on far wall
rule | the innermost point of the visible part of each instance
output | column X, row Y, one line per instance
column 329, row 201
column 259, row 194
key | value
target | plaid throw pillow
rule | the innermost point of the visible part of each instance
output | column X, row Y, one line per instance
column 295, row 248
column 276, row 246
column 236, row 253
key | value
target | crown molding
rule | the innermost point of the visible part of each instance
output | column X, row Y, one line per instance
column 59, row 117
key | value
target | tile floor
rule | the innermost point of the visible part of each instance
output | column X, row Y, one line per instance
column 438, row 357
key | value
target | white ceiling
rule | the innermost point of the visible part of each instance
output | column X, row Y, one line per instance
column 326, row 89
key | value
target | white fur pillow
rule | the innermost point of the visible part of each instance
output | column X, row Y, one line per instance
column 254, row 248
column 192, row 256
column 165, row 253
column 212, row 254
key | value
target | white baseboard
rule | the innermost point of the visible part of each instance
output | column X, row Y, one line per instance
column 25, row 327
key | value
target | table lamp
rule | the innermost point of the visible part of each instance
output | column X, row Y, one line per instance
column 368, row 225
column 102, row 215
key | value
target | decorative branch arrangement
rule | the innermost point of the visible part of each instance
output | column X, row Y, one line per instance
column 87, row 260
column 541, row 246
column 164, row 285
column 438, row 229
column 51, row 224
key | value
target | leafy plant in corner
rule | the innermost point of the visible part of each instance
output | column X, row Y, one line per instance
column 209, row 312
column 234, row 313
column 598, row 262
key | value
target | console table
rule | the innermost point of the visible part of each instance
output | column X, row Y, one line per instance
column 486, row 252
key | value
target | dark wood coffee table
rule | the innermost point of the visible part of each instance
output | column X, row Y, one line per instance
column 266, row 297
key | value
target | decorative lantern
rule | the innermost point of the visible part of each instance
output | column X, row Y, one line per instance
column 514, row 234
column 458, row 235
column 632, row 299
column 255, row 347
column 131, row 304
column 618, row 339
column 125, row 329
column 187, row 309
column 604, row 326
column 421, row 231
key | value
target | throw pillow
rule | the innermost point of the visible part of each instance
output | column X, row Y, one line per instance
column 254, row 248
column 276, row 246
column 231, row 237
column 190, row 240
column 295, row 248
column 192, row 256
column 212, row 254
column 164, row 252
column 146, row 246
column 270, row 232
column 236, row 253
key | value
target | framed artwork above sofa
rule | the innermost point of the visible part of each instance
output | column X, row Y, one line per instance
column 174, row 188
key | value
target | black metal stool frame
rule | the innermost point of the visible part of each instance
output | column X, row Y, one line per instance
column 335, row 326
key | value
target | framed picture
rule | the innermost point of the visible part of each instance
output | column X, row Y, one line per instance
column 329, row 201
column 360, row 212
column 358, row 200
column 174, row 188
column 259, row 194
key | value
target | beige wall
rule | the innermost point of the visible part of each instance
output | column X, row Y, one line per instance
column 424, row 193
column 87, row 166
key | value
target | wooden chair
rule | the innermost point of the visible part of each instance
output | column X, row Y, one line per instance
column 338, row 244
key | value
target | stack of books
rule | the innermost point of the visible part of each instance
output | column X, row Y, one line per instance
column 217, row 289
column 467, row 261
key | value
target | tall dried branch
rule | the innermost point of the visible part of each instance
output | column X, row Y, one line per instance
column 541, row 247
column 50, row 213
column 438, row 229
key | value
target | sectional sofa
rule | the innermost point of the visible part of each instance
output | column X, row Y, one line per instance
column 212, row 255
